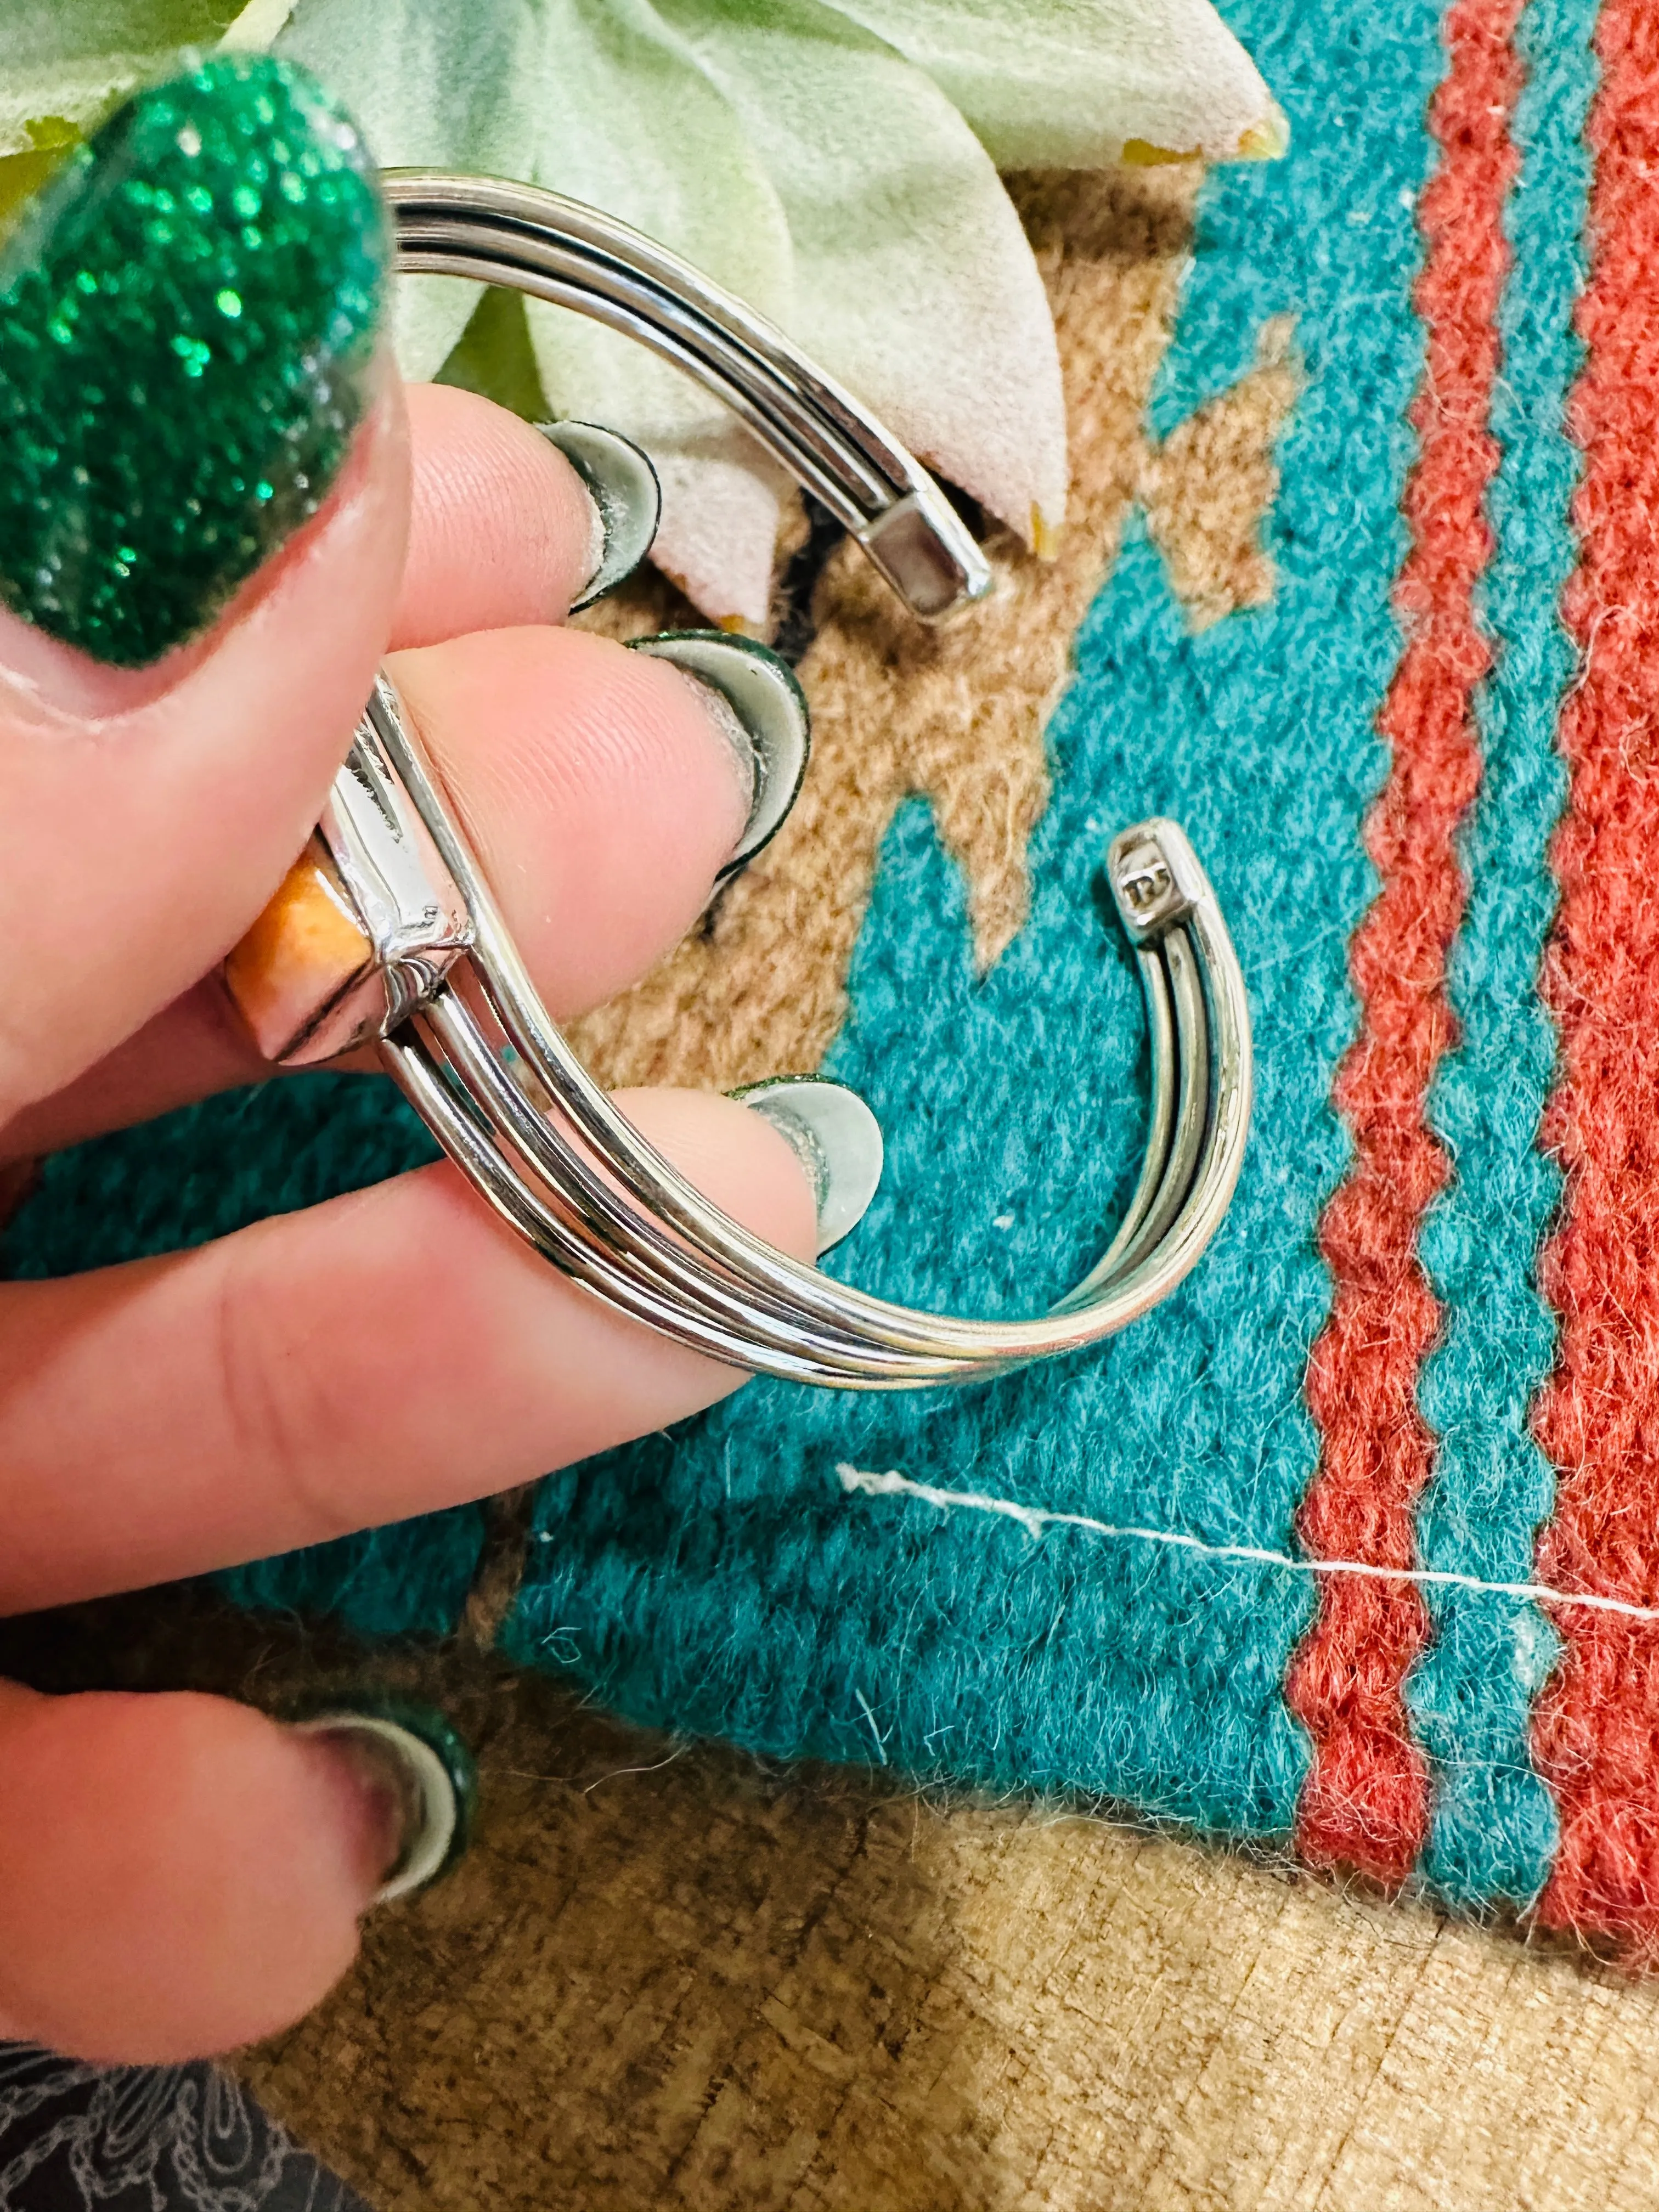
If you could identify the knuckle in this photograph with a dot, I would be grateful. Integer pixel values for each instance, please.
(274, 1399)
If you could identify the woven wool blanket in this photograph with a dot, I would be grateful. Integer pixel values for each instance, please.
(1352, 1547)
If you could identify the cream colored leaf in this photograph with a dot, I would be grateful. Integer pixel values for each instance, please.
(626, 121)
(720, 512)
(259, 24)
(1074, 83)
(433, 87)
(913, 281)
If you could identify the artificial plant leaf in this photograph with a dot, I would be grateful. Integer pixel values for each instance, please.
(1074, 83)
(626, 120)
(66, 60)
(493, 356)
(721, 509)
(913, 281)
(433, 87)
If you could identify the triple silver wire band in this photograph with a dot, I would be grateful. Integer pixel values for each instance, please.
(463, 1030)
(489, 1072)
(557, 250)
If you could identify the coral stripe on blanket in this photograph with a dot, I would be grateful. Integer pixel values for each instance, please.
(1366, 1800)
(1597, 1727)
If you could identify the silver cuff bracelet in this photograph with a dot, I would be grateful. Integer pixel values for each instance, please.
(433, 978)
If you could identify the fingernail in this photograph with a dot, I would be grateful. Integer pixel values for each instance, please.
(836, 1138)
(187, 322)
(422, 1782)
(765, 719)
(627, 499)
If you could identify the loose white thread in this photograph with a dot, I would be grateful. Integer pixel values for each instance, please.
(1034, 1519)
(881, 1740)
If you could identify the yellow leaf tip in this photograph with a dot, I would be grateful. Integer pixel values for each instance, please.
(23, 173)
(49, 134)
(1140, 154)
(1047, 531)
(1268, 139)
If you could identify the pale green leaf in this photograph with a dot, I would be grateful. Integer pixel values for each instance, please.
(721, 507)
(493, 356)
(1074, 83)
(71, 59)
(433, 87)
(913, 281)
(626, 121)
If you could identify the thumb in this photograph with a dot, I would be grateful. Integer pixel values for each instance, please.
(178, 1874)
(202, 499)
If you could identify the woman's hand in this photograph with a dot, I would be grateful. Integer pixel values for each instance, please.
(179, 1874)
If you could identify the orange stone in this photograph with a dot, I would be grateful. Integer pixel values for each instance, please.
(301, 956)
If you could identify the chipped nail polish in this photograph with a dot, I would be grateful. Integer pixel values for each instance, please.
(419, 1762)
(619, 479)
(188, 314)
(770, 722)
(837, 1140)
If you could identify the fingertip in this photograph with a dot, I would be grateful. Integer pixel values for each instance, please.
(736, 1156)
(599, 789)
(162, 805)
(189, 1879)
(501, 529)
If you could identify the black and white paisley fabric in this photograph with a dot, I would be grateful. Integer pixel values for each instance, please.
(77, 2138)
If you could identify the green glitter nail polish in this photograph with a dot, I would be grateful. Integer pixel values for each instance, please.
(187, 319)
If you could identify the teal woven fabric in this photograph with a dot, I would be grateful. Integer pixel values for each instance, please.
(1494, 1827)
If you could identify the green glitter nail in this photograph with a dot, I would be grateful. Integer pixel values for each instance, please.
(187, 318)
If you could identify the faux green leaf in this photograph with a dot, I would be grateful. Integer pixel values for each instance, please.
(913, 281)
(69, 59)
(1073, 83)
(433, 87)
(626, 119)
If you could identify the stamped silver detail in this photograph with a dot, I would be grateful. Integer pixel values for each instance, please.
(383, 859)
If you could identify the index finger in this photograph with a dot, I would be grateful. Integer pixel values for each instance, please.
(377, 1356)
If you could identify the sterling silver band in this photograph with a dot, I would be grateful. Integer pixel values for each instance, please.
(459, 1023)
(556, 249)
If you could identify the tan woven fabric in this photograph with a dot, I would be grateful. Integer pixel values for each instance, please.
(685, 1985)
